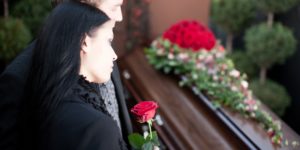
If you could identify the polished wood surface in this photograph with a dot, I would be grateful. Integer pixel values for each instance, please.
(188, 122)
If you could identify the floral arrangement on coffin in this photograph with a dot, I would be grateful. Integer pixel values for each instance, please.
(189, 49)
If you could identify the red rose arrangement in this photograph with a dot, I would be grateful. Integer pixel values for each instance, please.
(144, 112)
(190, 34)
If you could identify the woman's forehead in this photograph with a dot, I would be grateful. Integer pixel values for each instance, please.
(109, 24)
(112, 3)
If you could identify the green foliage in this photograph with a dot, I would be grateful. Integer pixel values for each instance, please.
(244, 63)
(233, 15)
(14, 36)
(267, 46)
(140, 143)
(169, 64)
(148, 146)
(272, 94)
(276, 6)
(32, 12)
(136, 140)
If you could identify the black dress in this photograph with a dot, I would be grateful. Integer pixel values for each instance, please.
(82, 122)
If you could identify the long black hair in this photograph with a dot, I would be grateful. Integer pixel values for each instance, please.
(56, 63)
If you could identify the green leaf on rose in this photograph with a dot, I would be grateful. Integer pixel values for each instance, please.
(148, 146)
(136, 140)
(155, 138)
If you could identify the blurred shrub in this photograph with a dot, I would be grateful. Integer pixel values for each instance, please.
(276, 6)
(272, 94)
(243, 63)
(14, 36)
(32, 12)
(233, 15)
(266, 46)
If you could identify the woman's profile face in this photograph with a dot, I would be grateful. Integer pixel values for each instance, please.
(97, 54)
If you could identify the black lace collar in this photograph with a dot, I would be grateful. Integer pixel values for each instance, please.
(89, 93)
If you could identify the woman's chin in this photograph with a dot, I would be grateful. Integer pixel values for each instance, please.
(104, 79)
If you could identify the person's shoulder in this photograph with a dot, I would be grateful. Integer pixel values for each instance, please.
(76, 111)
(20, 65)
(78, 125)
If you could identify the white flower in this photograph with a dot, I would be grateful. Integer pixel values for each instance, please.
(219, 55)
(255, 107)
(203, 52)
(244, 84)
(252, 114)
(183, 56)
(200, 66)
(154, 43)
(170, 56)
(200, 57)
(160, 52)
(209, 59)
(212, 71)
(145, 134)
(234, 88)
(234, 73)
(247, 108)
(215, 78)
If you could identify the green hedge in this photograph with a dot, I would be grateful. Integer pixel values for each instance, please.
(14, 36)
(272, 94)
(267, 46)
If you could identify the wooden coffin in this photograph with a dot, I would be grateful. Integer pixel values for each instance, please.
(189, 120)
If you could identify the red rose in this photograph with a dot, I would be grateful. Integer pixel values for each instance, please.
(190, 35)
(144, 110)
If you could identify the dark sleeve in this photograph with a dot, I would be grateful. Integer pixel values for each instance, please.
(12, 82)
(81, 127)
(9, 104)
(100, 136)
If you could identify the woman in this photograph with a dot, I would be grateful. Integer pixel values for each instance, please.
(63, 108)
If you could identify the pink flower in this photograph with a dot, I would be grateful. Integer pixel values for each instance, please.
(224, 67)
(251, 104)
(183, 56)
(221, 48)
(270, 132)
(234, 73)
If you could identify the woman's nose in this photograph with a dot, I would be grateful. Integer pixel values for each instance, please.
(115, 57)
(119, 15)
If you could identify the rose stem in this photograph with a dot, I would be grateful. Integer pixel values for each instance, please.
(149, 124)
